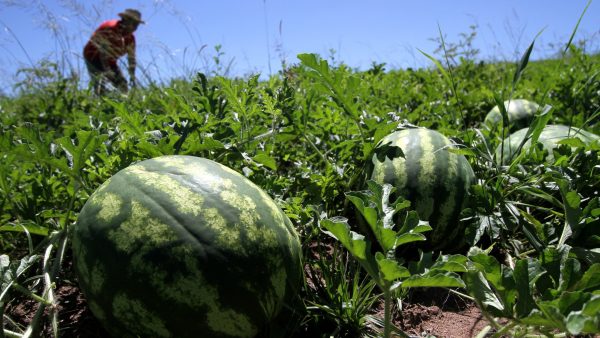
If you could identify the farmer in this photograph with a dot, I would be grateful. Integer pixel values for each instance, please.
(113, 39)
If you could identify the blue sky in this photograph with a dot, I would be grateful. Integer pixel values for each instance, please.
(179, 37)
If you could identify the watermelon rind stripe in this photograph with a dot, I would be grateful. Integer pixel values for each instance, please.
(143, 222)
(434, 179)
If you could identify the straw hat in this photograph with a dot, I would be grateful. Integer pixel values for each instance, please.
(132, 14)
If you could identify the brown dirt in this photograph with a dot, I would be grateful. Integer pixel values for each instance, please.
(420, 320)
(431, 312)
(439, 313)
(75, 320)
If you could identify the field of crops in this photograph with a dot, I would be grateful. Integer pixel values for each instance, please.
(527, 248)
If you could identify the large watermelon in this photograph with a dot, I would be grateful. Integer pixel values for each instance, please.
(435, 180)
(520, 114)
(179, 246)
(549, 137)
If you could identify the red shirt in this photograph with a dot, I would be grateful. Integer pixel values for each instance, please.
(110, 42)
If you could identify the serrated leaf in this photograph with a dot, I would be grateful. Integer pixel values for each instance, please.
(388, 151)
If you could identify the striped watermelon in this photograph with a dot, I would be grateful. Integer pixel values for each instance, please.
(549, 137)
(435, 180)
(179, 246)
(520, 114)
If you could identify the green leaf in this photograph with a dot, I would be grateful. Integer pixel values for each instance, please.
(384, 130)
(590, 280)
(376, 210)
(592, 306)
(489, 266)
(574, 142)
(388, 151)
(81, 148)
(386, 238)
(338, 228)
(411, 222)
(408, 238)
(570, 274)
(390, 269)
(538, 318)
(478, 287)
(456, 263)
(521, 274)
(522, 64)
(266, 160)
(576, 322)
(462, 151)
(361, 202)
(571, 203)
(439, 67)
(30, 227)
(576, 27)
(434, 278)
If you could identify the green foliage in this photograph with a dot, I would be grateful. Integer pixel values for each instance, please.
(383, 267)
(537, 294)
(307, 137)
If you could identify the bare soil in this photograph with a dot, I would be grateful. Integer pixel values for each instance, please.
(439, 313)
(75, 320)
(430, 312)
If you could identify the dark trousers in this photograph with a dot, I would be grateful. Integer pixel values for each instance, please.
(100, 74)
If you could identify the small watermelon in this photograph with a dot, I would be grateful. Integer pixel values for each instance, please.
(549, 137)
(180, 246)
(435, 180)
(520, 114)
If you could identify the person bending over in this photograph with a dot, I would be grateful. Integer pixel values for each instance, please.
(111, 40)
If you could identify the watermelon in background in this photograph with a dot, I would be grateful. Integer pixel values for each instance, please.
(520, 114)
(548, 138)
(179, 246)
(435, 180)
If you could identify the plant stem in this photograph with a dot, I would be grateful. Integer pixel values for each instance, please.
(11, 334)
(31, 294)
(387, 316)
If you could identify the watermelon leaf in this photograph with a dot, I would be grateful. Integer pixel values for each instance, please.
(338, 228)
(266, 160)
(390, 269)
(434, 278)
(481, 290)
